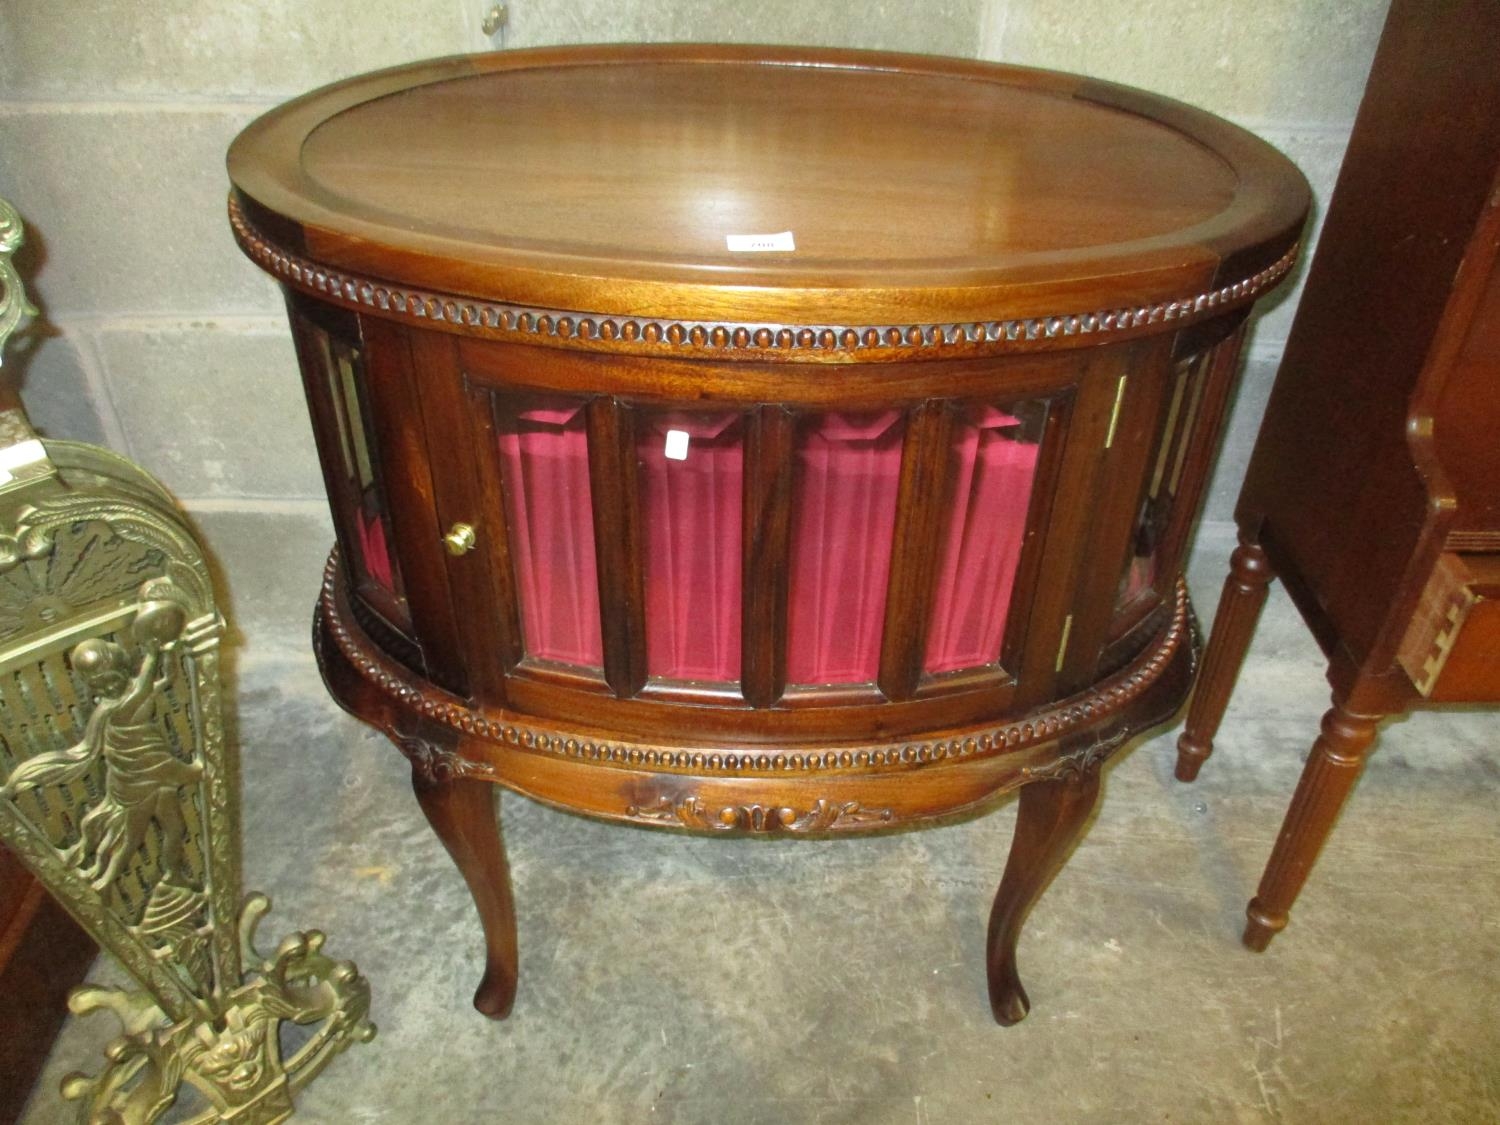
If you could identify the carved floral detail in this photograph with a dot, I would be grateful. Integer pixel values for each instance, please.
(437, 764)
(1081, 712)
(1077, 762)
(630, 333)
(694, 812)
(1090, 756)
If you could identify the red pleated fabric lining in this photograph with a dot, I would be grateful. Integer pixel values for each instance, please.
(374, 550)
(691, 510)
(545, 459)
(991, 496)
(843, 523)
(843, 526)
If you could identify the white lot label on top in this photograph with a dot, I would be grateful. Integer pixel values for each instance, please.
(677, 443)
(780, 241)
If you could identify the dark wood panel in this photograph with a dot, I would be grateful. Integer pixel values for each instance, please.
(923, 502)
(459, 439)
(661, 711)
(324, 337)
(43, 956)
(617, 543)
(809, 387)
(1044, 495)
(1466, 411)
(1191, 477)
(1125, 455)
(1376, 297)
(1472, 673)
(396, 392)
(770, 452)
(1062, 566)
(507, 636)
(304, 314)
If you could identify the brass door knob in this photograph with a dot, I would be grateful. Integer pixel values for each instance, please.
(460, 539)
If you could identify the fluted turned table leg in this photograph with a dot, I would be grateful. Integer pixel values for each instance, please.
(1051, 818)
(1250, 575)
(1337, 759)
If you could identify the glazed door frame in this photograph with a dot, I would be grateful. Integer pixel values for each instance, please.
(431, 390)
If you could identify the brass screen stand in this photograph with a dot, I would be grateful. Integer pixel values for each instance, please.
(118, 789)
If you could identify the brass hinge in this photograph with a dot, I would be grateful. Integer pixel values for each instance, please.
(1114, 415)
(1062, 645)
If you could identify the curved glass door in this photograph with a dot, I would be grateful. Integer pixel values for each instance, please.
(994, 462)
(549, 511)
(336, 382)
(691, 480)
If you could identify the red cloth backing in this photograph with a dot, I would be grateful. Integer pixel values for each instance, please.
(843, 523)
(373, 549)
(546, 464)
(692, 536)
(978, 571)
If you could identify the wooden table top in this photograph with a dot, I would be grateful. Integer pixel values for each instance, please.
(610, 179)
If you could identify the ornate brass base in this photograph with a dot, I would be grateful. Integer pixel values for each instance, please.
(234, 1059)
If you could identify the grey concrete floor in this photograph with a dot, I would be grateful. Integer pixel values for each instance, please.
(680, 980)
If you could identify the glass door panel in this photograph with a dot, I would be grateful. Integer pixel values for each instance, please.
(848, 470)
(545, 466)
(691, 482)
(994, 462)
(355, 489)
(1142, 570)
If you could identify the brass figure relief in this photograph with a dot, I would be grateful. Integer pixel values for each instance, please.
(143, 778)
(116, 787)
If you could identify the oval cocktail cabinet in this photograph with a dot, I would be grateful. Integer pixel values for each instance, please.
(759, 439)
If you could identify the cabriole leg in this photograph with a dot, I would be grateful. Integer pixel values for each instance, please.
(463, 814)
(1239, 609)
(1337, 760)
(1050, 820)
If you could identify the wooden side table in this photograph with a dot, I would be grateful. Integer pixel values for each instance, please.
(1374, 488)
(757, 439)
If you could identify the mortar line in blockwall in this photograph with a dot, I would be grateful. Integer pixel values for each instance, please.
(255, 505)
(13, 106)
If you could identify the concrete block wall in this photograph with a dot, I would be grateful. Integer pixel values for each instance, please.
(163, 342)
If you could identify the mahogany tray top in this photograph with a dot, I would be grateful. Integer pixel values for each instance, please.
(604, 180)
(621, 524)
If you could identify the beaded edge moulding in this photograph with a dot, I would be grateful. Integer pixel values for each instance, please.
(982, 739)
(649, 334)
